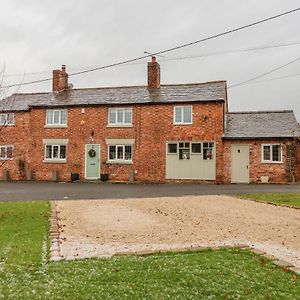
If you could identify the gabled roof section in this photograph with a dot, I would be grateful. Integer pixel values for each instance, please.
(177, 93)
(260, 124)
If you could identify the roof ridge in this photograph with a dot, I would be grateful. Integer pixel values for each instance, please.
(260, 112)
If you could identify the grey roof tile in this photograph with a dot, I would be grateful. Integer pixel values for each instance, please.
(261, 124)
(210, 91)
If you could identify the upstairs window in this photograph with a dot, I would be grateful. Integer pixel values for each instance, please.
(6, 152)
(7, 119)
(271, 153)
(120, 116)
(183, 115)
(56, 117)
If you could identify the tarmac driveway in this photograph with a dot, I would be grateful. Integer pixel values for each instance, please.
(19, 191)
(101, 228)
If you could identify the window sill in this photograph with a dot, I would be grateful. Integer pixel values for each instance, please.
(7, 125)
(119, 162)
(56, 126)
(180, 124)
(119, 125)
(271, 162)
(55, 161)
(6, 159)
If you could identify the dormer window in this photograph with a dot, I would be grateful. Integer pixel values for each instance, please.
(56, 118)
(7, 119)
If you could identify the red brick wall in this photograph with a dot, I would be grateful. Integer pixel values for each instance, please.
(152, 127)
(277, 172)
(17, 136)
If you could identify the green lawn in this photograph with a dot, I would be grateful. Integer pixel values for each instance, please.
(26, 273)
(292, 200)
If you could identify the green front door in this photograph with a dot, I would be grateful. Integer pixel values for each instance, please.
(92, 161)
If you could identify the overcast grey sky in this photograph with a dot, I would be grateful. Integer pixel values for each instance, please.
(38, 36)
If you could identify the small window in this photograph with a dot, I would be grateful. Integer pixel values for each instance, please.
(208, 151)
(183, 115)
(120, 153)
(120, 116)
(172, 148)
(271, 153)
(184, 151)
(196, 148)
(56, 117)
(55, 152)
(7, 119)
(6, 152)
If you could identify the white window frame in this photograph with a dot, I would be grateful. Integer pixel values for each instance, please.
(5, 147)
(171, 153)
(182, 109)
(59, 123)
(118, 123)
(271, 161)
(54, 159)
(118, 160)
(6, 116)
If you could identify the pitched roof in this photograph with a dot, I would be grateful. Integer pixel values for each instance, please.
(209, 91)
(260, 124)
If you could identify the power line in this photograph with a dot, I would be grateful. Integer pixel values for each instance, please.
(166, 50)
(264, 74)
(178, 57)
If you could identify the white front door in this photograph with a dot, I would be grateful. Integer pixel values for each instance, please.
(240, 163)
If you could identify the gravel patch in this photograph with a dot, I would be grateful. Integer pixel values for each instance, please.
(102, 228)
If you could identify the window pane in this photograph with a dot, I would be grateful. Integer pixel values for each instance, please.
(2, 120)
(276, 151)
(128, 113)
(120, 154)
(112, 152)
(267, 152)
(9, 152)
(178, 114)
(48, 151)
(64, 117)
(49, 117)
(2, 152)
(56, 116)
(55, 152)
(62, 154)
(127, 152)
(184, 153)
(10, 119)
(120, 116)
(187, 114)
(208, 151)
(196, 148)
(112, 116)
(172, 148)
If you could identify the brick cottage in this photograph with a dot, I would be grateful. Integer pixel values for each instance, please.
(157, 133)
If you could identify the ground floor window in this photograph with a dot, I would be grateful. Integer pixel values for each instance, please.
(55, 152)
(271, 153)
(6, 152)
(120, 153)
(205, 150)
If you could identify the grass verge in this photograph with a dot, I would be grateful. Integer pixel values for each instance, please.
(25, 273)
(292, 200)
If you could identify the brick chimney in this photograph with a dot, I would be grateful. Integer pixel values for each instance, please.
(153, 74)
(60, 80)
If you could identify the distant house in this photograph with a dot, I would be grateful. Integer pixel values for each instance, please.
(157, 133)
